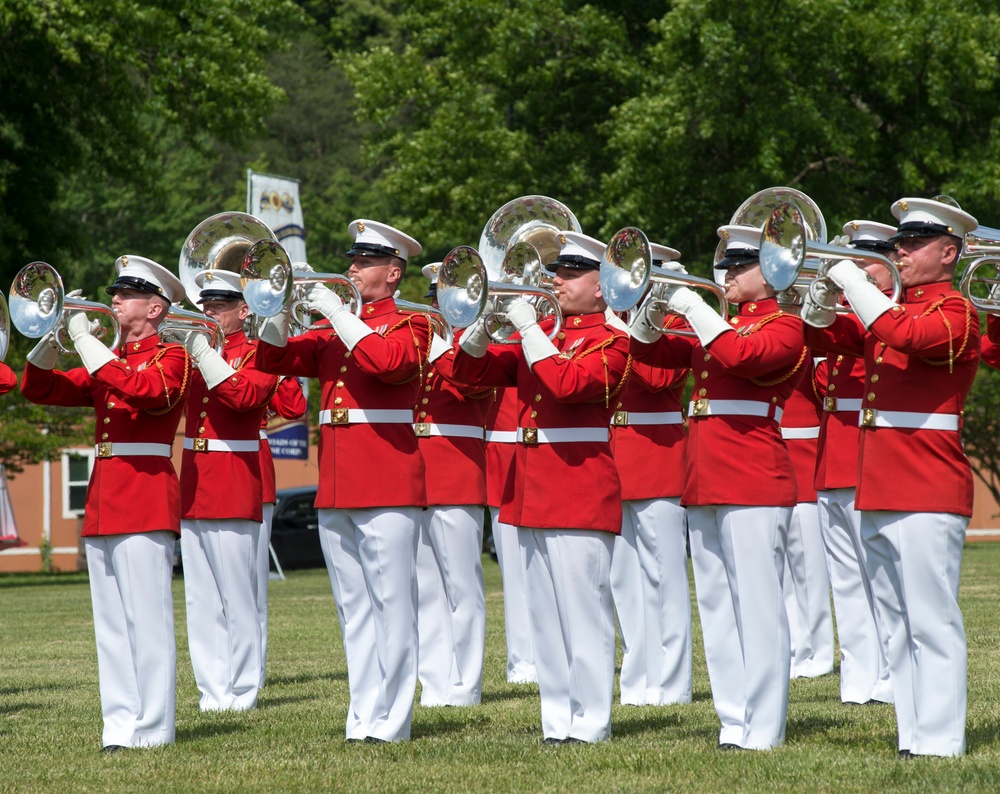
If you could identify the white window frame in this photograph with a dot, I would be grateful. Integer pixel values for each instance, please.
(76, 452)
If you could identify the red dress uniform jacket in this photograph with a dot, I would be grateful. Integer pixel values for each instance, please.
(137, 400)
(650, 457)
(226, 484)
(364, 465)
(8, 378)
(991, 342)
(288, 402)
(841, 383)
(920, 358)
(501, 424)
(800, 426)
(562, 485)
(455, 465)
(738, 459)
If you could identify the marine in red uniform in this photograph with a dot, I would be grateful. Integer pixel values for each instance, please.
(136, 392)
(864, 669)
(451, 600)
(744, 371)
(221, 497)
(371, 481)
(501, 441)
(8, 379)
(915, 483)
(566, 389)
(806, 583)
(288, 403)
(649, 573)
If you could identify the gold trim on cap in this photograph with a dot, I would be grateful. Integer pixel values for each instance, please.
(724, 234)
(562, 239)
(124, 261)
(361, 227)
(854, 225)
(904, 205)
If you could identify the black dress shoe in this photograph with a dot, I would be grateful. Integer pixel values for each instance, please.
(728, 747)
(353, 741)
(573, 740)
(551, 741)
(375, 740)
(906, 755)
(112, 748)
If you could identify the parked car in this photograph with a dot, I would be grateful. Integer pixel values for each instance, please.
(295, 529)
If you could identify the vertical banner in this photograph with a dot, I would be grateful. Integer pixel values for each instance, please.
(275, 200)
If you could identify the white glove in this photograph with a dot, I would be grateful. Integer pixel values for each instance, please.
(522, 315)
(274, 330)
(475, 340)
(45, 354)
(867, 301)
(93, 354)
(78, 326)
(841, 241)
(214, 368)
(706, 322)
(302, 267)
(322, 299)
(817, 309)
(675, 267)
(682, 300)
(438, 348)
(647, 325)
(536, 346)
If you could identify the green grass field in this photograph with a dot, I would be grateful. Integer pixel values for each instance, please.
(50, 721)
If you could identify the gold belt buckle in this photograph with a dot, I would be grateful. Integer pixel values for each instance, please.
(830, 404)
(700, 407)
(422, 429)
(338, 416)
(529, 435)
(621, 419)
(104, 449)
(868, 416)
(200, 445)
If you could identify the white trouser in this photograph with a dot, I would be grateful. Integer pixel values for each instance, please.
(220, 590)
(914, 561)
(134, 627)
(864, 670)
(807, 595)
(738, 557)
(520, 656)
(451, 605)
(263, 577)
(371, 559)
(649, 584)
(567, 575)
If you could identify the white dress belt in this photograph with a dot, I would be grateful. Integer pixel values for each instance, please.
(908, 420)
(428, 429)
(841, 404)
(800, 432)
(501, 436)
(361, 416)
(221, 445)
(626, 418)
(121, 449)
(561, 435)
(705, 407)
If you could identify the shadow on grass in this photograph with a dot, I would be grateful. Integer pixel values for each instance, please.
(987, 735)
(638, 720)
(441, 725)
(207, 730)
(304, 678)
(23, 690)
(23, 707)
(511, 692)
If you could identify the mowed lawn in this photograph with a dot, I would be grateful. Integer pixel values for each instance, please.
(50, 722)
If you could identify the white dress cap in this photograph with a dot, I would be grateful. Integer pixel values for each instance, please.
(144, 275)
(379, 239)
(431, 271)
(578, 251)
(919, 217)
(663, 253)
(871, 235)
(742, 245)
(219, 285)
